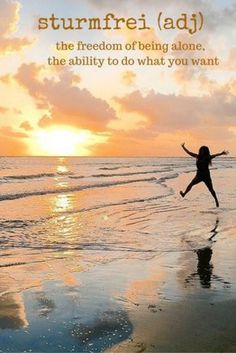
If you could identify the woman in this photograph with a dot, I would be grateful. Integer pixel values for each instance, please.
(203, 173)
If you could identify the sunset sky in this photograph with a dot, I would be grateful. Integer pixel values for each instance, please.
(122, 110)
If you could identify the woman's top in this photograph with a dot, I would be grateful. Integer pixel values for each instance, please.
(203, 166)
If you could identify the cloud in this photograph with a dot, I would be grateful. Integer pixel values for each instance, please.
(45, 121)
(213, 12)
(3, 110)
(123, 143)
(127, 4)
(215, 15)
(26, 126)
(231, 62)
(143, 142)
(6, 79)
(9, 11)
(11, 146)
(142, 40)
(128, 77)
(170, 113)
(10, 132)
(66, 102)
(17, 111)
(193, 82)
(153, 143)
(12, 142)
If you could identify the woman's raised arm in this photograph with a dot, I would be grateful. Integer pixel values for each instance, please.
(219, 154)
(188, 152)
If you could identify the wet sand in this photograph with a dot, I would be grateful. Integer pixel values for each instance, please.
(174, 302)
(191, 308)
(195, 314)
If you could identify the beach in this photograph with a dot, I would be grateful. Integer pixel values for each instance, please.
(103, 255)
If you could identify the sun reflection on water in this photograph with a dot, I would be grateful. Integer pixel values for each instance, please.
(62, 169)
(63, 202)
(64, 226)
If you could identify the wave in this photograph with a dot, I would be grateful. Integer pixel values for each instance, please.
(113, 168)
(30, 176)
(71, 189)
(78, 247)
(167, 177)
(170, 165)
(13, 264)
(120, 174)
(33, 176)
(16, 223)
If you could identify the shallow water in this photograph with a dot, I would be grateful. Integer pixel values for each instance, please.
(90, 203)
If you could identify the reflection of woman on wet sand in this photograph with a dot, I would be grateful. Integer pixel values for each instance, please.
(204, 265)
(203, 173)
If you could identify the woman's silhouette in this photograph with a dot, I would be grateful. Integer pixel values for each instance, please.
(204, 159)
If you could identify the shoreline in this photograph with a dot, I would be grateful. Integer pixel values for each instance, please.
(151, 277)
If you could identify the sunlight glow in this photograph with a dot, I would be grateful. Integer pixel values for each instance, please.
(62, 142)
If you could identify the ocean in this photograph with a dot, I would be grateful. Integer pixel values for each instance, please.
(91, 203)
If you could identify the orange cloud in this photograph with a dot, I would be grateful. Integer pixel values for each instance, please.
(171, 120)
(128, 77)
(3, 110)
(26, 126)
(12, 143)
(123, 143)
(10, 132)
(166, 113)
(66, 103)
(6, 78)
(142, 143)
(9, 19)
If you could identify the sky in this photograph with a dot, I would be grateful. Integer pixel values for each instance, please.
(115, 110)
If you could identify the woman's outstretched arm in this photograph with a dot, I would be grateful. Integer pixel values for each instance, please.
(188, 152)
(219, 154)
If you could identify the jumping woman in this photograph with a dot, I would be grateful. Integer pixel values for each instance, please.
(204, 159)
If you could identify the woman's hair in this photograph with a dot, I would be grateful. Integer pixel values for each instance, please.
(204, 154)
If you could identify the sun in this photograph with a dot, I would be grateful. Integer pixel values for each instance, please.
(62, 142)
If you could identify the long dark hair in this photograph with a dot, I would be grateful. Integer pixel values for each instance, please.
(204, 154)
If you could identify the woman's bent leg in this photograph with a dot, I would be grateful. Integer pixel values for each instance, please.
(195, 181)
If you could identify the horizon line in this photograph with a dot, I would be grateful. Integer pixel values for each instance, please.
(74, 156)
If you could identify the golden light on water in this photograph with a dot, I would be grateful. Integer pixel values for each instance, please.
(62, 203)
(62, 169)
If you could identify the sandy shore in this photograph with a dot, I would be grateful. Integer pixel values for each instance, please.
(176, 297)
(187, 304)
(174, 302)
(190, 311)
